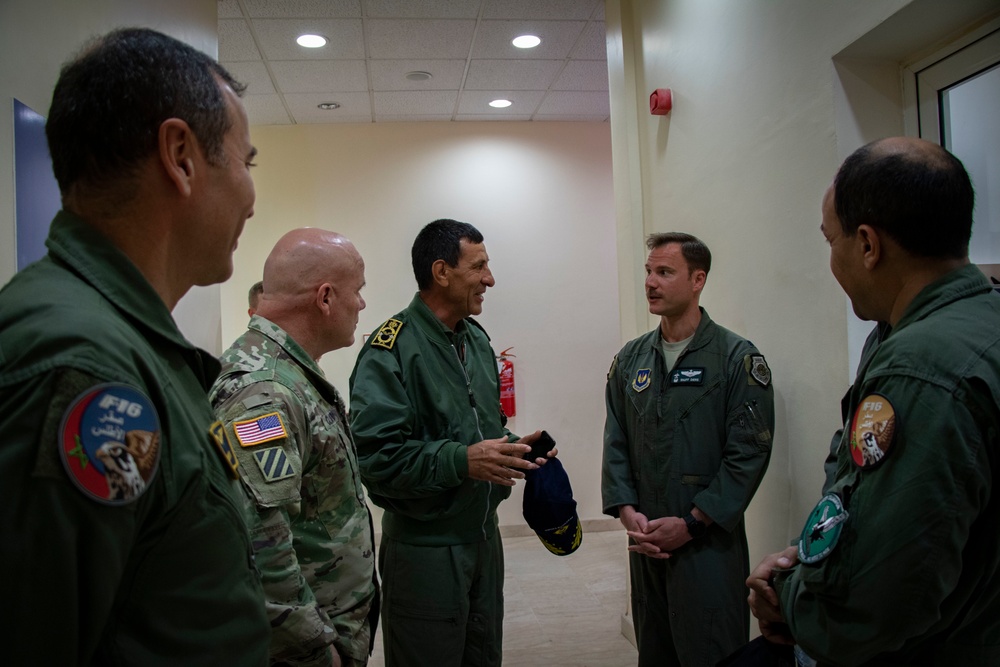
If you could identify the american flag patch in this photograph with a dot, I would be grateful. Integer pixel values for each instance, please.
(261, 429)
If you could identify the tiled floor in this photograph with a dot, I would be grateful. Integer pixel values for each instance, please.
(563, 611)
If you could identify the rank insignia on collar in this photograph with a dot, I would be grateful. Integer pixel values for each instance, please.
(386, 336)
(273, 464)
(641, 380)
(110, 443)
(822, 529)
(221, 440)
(757, 369)
(873, 431)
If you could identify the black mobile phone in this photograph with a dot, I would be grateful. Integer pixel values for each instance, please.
(541, 447)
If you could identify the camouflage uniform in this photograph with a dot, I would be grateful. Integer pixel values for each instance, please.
(311, 528)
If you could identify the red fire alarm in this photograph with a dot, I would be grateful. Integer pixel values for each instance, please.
(661, 102)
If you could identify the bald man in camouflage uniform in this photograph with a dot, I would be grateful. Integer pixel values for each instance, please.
(311, 529)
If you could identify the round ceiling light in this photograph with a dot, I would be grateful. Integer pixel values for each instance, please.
(526, 42)
(327, 106)
(418, 76)
(500, 104)
(311, 41)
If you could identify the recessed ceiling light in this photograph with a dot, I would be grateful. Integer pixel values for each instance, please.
(311, 41)
(526, 42)
(327, 106)
(500, 104)
(418, 76)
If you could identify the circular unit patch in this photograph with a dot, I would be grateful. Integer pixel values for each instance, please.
(873, 431)
(110, 443)
(822, 529)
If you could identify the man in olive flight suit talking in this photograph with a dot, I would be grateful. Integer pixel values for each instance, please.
(687, 439)
(436, 455)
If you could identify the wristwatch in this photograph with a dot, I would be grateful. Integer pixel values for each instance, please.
(695, 527)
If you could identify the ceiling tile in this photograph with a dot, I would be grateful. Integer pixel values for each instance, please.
(583, 75)
(593, 43)
(539, 9)
(265, 110)
(588, 103)
(558, 37)
(478, 102)
(236, 42)
(418, 102)
(511, 74)
(571, 117)
(439, 9)
(391, 74)
(316, 76)
(410, 38)
(277, 38)
(300, 8)
(229, 9)
(408, 118)
(253, 74)
(353, 106)
(494, 118)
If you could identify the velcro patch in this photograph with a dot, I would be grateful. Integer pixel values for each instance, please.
(260, 429)
(757, 369)
(221, 440)
(110, 443)
(386, 336)
(873, 431)
(641, 380)
(693, 376)
(273, 464)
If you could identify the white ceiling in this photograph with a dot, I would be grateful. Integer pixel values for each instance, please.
(464, 44)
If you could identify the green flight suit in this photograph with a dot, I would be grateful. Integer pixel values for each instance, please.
(697, 435)
(420, 395)
(311, 529)
(914, 578)
(165, 578)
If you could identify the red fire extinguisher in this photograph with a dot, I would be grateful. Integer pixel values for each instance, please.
(506, 369)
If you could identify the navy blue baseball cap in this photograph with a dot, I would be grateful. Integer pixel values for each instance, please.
(550, 510)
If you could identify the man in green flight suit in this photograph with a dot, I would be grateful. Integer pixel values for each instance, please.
(121, 528)
(311, 529)
(899, 564)
(690, 416)
(436, 455)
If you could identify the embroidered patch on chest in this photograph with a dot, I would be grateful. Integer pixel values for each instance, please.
(110, 443)
(273, 464)
(822, 529)
(642, 379)
(873, 431)
(386, 336)
(692, 376)
(265, 428)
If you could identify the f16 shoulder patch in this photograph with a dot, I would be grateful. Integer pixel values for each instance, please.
(110, 443)
(386, 336)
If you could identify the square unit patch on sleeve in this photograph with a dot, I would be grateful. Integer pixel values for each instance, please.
(273, 463)
(260, 429)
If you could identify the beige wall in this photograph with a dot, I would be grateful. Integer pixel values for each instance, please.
(36, 37)
(769, 97)
(541, 193)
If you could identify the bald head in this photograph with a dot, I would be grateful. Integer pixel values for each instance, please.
(911, 189)
(305, 258)
(312, 288)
